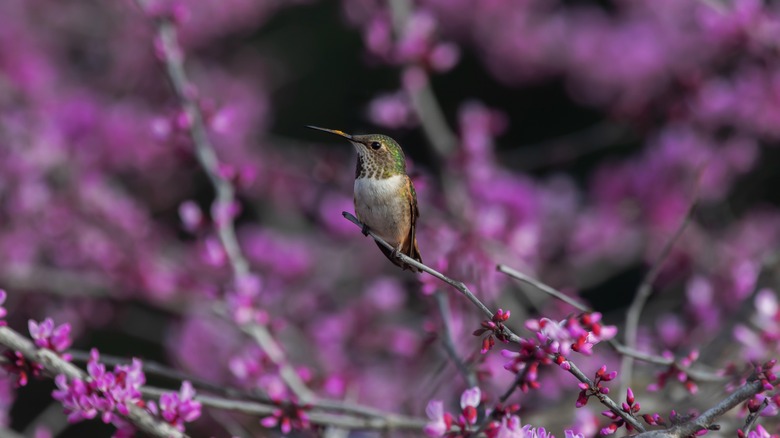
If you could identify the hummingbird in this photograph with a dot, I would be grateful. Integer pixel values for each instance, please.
(385, 200)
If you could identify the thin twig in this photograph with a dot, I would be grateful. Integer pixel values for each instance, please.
(752, 418)
(173, 57)
(52, 418)
(518, 378)
(544, 288)
(569, 147)
(56, 365)
(449, 344)
(643, 294)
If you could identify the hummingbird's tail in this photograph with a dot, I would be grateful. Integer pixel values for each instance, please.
(411, 251)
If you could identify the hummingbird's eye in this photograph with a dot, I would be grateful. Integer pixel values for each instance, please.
(376, 145)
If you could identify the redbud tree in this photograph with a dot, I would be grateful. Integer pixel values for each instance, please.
(598, 218)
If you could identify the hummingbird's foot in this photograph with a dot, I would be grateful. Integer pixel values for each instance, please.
(364, 230)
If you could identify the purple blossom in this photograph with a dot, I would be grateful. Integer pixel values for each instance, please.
(764, 333)
(291, 417)
(759, 432)
(191, 215)
(102, 392)
(440, 421)
(510, 427)
(178, 409)
(469, 401)
(46, 335)
(392, 110)
(254, 369)
(18, 365)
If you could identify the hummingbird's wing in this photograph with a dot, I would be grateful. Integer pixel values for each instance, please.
(409, 247)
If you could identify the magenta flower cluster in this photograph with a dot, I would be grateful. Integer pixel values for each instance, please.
(109, 395)
(587, 390)
(677, 371)
(177, 408)
(103, 393)
(553, 342)
(288, 417)
(629, 407)
(494, 327)
(46, 335)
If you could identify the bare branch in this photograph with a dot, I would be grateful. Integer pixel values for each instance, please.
(449, 345)
(8, 433)
(544, 288)
(644, 291)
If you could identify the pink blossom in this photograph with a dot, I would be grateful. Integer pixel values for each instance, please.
(103, 392)
(441, 421)
(191, 215)
(178, 409)
(46, 335)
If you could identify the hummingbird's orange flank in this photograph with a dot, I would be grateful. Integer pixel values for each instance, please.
(385, 200)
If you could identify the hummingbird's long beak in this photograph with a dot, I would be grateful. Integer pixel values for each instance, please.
(332, 131)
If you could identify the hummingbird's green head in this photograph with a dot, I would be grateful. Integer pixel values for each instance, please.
(379, 156)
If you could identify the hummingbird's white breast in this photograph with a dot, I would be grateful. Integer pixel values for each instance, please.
(380, 205)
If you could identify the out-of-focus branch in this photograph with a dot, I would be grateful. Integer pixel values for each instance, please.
(385, 422)
(8, 433)
(52, 280)
(424, 102)
(173, 57)
(511, 336)
(52, 418)
(449, 345)
(55, 365)
(644, 291)
(568, 148)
